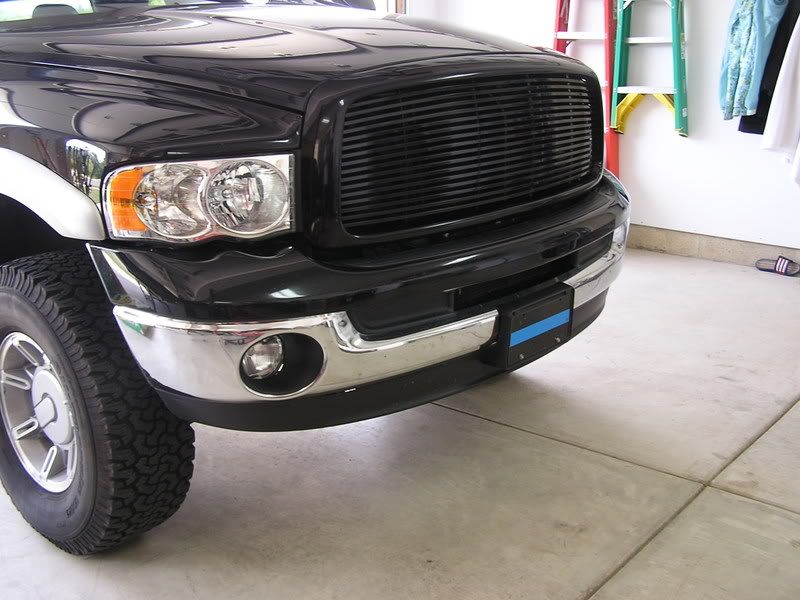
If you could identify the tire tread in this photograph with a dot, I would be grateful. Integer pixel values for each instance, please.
(144, 454)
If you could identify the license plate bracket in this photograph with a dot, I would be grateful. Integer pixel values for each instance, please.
(530, 329)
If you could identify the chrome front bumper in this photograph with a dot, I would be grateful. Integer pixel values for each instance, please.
(203, 359)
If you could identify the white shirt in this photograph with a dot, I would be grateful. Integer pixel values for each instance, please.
(782, 133)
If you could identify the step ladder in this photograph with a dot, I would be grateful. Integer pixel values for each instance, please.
(624, 97)
(563, 37)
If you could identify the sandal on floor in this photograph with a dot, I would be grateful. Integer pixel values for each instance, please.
(782, 266)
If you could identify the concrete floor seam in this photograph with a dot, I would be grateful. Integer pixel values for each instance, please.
(682, 509)
(644, 544)
(704, 485)
(754, 440)
(573, 444)
(751, 497)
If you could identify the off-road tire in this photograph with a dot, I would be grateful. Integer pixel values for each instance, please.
(135, 459)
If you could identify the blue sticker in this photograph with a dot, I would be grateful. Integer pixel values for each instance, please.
(531, 331)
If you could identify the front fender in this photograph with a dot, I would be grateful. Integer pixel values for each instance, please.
(63, 129)
(67, 210)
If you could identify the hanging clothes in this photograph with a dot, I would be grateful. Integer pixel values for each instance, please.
(757, 122)
(782, 133)
(751, 32)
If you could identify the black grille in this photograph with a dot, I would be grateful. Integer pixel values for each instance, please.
(438, 153)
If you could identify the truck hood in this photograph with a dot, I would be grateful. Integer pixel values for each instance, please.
(272, 54)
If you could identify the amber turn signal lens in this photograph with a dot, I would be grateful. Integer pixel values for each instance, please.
(121, 189)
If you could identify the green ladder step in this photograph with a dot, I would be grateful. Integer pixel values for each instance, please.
(624, 97)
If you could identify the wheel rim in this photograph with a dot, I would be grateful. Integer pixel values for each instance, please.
(38, 415)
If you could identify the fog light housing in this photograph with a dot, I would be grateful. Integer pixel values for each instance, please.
(264, 358)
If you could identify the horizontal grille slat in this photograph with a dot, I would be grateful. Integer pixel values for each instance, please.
(423, 110)
(475, 146)
(445, 120)
(486, 145)
(474, 84)
(485, 201)
(455, 169)
(456, 135)
(459, 190)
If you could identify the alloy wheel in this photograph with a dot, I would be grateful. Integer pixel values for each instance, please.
(38, 415)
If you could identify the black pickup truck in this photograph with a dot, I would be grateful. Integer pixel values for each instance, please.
(271, 217)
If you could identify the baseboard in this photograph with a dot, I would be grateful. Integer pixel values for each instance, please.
(705, 246)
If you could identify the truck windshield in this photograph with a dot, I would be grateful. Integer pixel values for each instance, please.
(53, 10)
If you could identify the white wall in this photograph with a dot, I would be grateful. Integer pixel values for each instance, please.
(718, 181)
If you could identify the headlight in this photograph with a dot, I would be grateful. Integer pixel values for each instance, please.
(248, 197)
(194, 201)
(620, 239)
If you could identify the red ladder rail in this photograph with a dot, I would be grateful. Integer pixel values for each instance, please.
(562, 25)
(563, 37)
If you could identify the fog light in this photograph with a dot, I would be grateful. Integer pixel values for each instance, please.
(264, 358)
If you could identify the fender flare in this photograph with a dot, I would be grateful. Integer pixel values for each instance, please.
(57, 202)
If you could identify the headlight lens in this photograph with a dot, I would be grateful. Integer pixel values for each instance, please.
(166, 202)
(194, 201)
(248, 197)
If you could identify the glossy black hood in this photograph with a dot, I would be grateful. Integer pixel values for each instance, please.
(273, 54)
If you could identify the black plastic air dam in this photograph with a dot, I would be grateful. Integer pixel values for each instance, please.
(365, 402)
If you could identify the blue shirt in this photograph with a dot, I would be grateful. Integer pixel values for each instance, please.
(751, 32)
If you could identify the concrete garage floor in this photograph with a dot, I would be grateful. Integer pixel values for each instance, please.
(656, 456)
